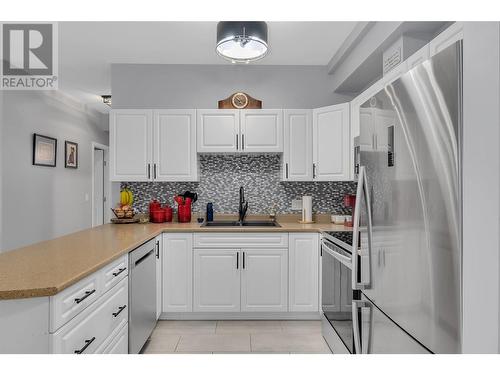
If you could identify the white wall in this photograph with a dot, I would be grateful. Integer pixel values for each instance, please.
(40, 203)
(481, 188)
(201, 86)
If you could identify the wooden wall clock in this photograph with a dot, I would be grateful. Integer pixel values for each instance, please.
(240, 100)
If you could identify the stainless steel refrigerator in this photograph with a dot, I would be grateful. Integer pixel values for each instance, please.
(408, 213)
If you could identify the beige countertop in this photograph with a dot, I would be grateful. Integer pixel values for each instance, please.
(46, 268)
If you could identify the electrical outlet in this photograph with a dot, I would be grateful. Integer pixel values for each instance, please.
(296, 204)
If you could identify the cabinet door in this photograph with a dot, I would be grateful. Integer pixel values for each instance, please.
(159, 257)
(175, 157)
(449, 36)
(262, 130)
(177, 269)
(331, 152)
(218, 130)
(383, 119)
(264, 280)
(130, 144)
(297, 156)
(216, 280)
(303, 271)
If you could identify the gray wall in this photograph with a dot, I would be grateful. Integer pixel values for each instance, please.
(201, 86)
(481, 188)
(40, 203)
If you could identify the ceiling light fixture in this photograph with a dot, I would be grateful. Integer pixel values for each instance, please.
(242, 42)
(106, 99)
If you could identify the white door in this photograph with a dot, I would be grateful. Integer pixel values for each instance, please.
(261, 130)
(303, 271)
(331, 152)
(297, 148)
(130, 144)
(159, 256)
(264, 280)
(216, 280)
(177, 272)
(175, 157)
(218, 130)
(98, 188)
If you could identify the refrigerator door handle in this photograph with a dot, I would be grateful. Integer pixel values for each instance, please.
(358, 345)
(362, 189)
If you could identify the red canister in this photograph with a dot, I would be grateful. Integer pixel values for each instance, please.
(154, 205)
(168, 213)
(184, 213)
(157, 216)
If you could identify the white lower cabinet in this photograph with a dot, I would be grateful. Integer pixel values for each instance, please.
(158, 251)
(177, 272)
(216, 280)
(119, 344)
(303, 272)
(90, 329)
(264, 280)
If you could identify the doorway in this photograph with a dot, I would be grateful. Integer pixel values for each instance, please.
(100, 185)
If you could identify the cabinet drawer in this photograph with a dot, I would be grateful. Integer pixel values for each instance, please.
(117, 344)
(90, 329)
(73, 300)
(114, 272)
(239, 240)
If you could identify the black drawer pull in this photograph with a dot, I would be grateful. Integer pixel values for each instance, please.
(120, 270)
(87, 344)
(120, 309)
(87, 293)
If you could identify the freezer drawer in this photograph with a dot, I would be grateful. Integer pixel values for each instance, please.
(375, 333)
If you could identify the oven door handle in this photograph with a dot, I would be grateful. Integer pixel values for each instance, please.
(362, 189)
(345, 260)
(359, 347)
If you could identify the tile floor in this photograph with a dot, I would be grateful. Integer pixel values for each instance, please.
(236, 336)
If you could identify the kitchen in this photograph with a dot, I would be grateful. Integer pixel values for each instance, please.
(240, 196)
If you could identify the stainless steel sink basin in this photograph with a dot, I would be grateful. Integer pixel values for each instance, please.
(238, 224)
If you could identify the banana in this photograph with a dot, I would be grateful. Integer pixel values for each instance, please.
(130, 197)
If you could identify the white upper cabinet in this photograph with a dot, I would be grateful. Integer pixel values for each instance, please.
(297, 150)
(218, 130)
(232, 130)
(175, 157)
(130, 139)
(331, 143)
(449, 36)
(147, 145)
(261, 130)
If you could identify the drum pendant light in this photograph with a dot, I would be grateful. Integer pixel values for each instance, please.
(242, 42)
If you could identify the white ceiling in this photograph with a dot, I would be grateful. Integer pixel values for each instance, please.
(86, 49)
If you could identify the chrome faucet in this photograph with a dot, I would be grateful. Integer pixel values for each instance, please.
(243, 207)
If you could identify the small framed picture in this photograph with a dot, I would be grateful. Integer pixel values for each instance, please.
(71, 154)
(44, 150)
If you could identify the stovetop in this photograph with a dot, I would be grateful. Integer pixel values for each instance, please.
(343, 239)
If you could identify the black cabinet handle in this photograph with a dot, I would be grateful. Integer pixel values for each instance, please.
(87, 344)
(154, 171)
(286, 168)
(243, 260)
(237, 141)
(87, 294)
(314, 170)
(157, 249)
(120, 309)
(149, 171)
(120, 270)
(243, 141)
(237, 260)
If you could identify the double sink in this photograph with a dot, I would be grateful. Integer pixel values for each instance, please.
(251, 223)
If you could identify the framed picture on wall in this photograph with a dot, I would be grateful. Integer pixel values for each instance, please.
(71, 154)
(44, 150)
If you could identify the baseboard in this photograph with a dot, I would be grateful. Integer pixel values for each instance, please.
(240, 316)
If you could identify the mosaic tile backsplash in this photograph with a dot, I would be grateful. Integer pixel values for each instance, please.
(260, 175)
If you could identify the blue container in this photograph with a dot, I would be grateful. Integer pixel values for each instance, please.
(210, 211)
